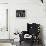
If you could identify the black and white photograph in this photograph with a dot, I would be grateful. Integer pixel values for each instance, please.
(22, 22)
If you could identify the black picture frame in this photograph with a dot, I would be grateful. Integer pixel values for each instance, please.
(20, 13)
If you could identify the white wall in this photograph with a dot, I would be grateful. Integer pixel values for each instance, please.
(35, 13)
(3, 1)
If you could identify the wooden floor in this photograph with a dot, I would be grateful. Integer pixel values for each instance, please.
(26, 44)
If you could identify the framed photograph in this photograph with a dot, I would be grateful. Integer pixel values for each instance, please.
(20, 13)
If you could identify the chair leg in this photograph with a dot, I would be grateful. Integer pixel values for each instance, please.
(20, 42)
